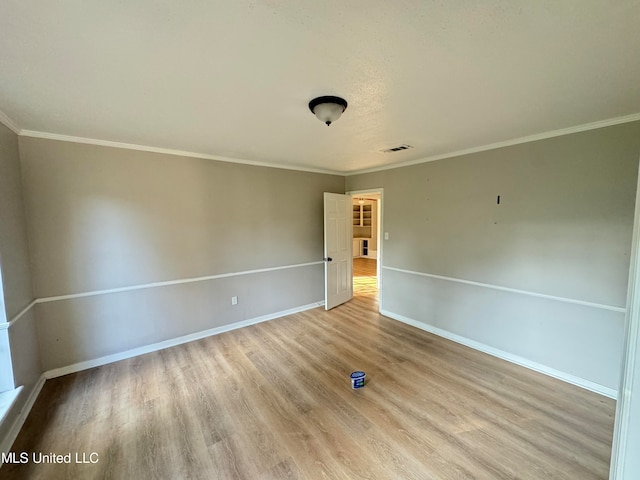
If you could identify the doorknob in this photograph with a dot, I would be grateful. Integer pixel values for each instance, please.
(328, 259)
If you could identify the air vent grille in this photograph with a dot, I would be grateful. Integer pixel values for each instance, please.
(404, 146)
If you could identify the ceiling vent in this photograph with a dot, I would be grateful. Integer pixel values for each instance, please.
(404, 146)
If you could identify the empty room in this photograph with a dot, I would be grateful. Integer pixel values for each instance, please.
(319, 240)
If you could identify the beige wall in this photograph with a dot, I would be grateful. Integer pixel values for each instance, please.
(563, 228)
(14, 255)
(103, 218)
(19, 349)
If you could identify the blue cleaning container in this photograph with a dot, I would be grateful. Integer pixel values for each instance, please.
(357, 379)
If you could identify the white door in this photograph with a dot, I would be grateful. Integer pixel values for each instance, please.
(338, 260)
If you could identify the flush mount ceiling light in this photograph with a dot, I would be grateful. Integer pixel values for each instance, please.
(328, 109)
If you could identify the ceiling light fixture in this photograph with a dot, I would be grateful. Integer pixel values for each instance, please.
(328, 109)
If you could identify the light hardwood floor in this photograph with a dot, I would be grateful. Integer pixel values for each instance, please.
(274, 401)
(364, 278)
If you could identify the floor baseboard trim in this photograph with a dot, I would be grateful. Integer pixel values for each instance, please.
(566, 377)
(13, 432)
(77, 367)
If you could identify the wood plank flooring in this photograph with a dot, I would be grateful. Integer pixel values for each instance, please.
(273, 401)
(364, 267)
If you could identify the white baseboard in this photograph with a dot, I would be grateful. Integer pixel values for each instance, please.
(77, 367)
(580, 382)
(12, 434)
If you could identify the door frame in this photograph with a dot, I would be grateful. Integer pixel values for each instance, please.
(628, 398)
(379, 230)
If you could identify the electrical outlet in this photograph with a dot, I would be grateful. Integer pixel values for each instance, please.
(386, 235)
(234, 300)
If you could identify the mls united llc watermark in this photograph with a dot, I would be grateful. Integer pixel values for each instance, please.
(39, 457)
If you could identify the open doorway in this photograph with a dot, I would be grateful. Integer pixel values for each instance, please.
(367, 251)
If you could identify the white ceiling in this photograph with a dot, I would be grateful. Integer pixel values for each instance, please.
(233, 78)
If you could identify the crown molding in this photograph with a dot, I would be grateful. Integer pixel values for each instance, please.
(507, 143)
(10, 124)
(168, 151)
(183, 153)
